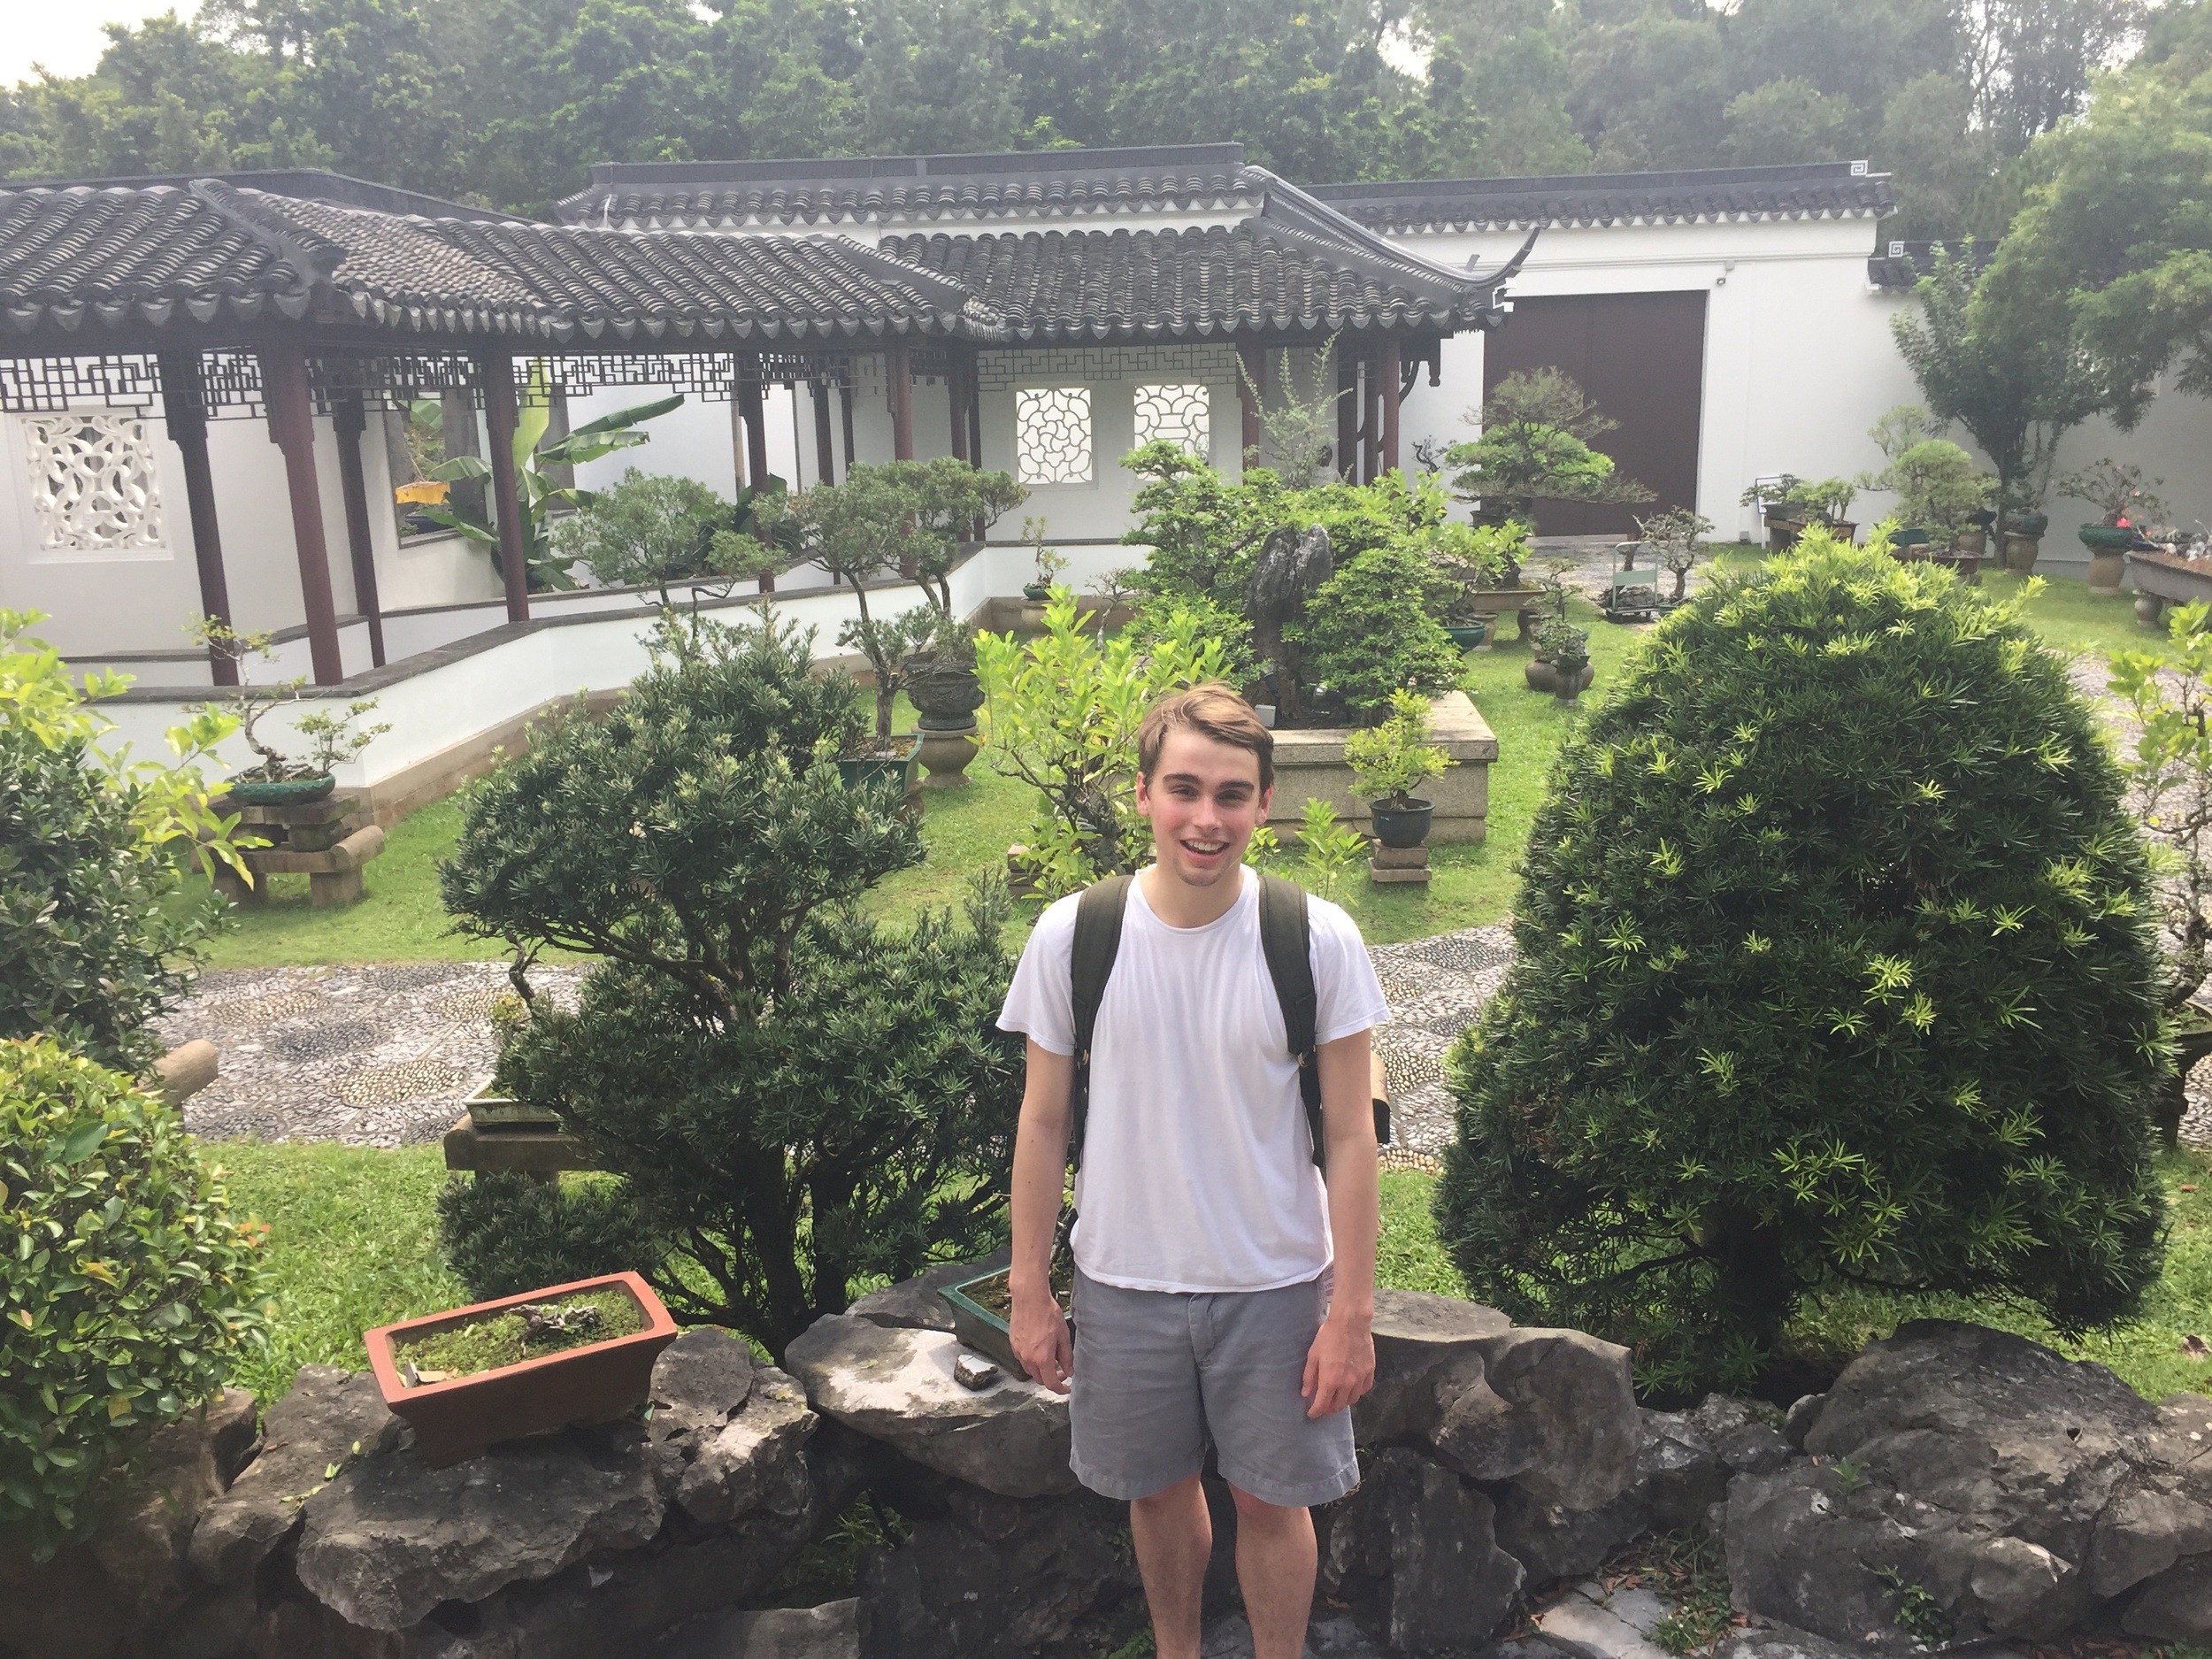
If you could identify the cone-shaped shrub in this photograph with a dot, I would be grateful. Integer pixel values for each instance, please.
(1834, 967)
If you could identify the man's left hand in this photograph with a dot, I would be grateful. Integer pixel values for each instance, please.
(1340, 1365)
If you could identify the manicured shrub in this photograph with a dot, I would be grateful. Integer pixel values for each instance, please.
(128, 1291)
(1833, 968)
(505, 1234)
(790, 1095)
(1368, 633)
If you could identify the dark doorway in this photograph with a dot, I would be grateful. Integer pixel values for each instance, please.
(1641, 359)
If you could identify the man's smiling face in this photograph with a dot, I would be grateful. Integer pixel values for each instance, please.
(1204, 801)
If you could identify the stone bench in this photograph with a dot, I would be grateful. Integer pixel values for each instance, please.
(328, 842)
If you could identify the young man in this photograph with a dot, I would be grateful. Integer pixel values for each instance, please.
(1223, 1292)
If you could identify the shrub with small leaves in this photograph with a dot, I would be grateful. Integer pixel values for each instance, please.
(1834, 968)
(128, 1291)
(505, 1234)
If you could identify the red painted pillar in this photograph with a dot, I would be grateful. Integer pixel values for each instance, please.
(898, 370)
(506, 502)
(825, 452)
(291, 406)
(184, 412)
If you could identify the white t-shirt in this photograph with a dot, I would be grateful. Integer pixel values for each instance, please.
(1197, 1172)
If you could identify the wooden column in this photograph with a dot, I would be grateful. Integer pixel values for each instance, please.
(351, 420)
(184, 412)
(506, 505)
(1393, 389)
(291, 407)
(845, 414)
(975, 410)
(1347, 416)
(957, 402)
(1249, 368)
(755, 426)
(824, 451)
(898, 373)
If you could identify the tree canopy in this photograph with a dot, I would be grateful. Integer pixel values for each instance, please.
(1940, 91)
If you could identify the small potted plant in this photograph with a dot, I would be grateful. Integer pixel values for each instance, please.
(1939, 491)
(2023, 522)
(335, 737)
(1676, 538)
(942, 684)
(1049, 564)
(1467, 561)
(2170, 773)
(496, 1371)
(2125, 497)
(1774, 499)
(1567, 648)
(1392, 760)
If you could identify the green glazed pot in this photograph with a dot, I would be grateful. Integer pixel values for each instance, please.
(285, 792)
(1466, 638)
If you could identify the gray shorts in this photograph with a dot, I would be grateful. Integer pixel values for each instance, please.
(1157, 1373)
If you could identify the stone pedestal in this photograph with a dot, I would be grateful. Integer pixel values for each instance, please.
(1310, 763)
(945, 755)
(1392, 865)
(327, 840)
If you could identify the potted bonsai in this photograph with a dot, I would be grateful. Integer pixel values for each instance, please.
(1675, 538)
(1567, 648)
(1773, 500)
(2023, 522)
(2124, 495)
(942, 684)
(1940, 490)
(1553, 631)
(1048, 564)
(1469, 561)
(517, 1366)
(335, 737)
(2170, 774)
(1391, 761)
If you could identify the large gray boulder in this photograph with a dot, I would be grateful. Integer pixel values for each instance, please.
(1418, 1544)
(913, 1304)
(1973, 1482)
(1554, 1411)
(739, 1430)
(831, 1631)
(391, 1539)
(328, 1416)
(1417, 1335)
(998, 1577)
(896, 1384)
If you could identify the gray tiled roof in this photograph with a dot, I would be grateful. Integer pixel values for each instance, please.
(1071, 183)
(1835, 189)
(205, 251)
(1902, 263)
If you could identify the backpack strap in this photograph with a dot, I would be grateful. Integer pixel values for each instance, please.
(1286, 941)
(1097, 942)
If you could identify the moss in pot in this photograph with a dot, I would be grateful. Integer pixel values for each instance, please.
(1390, 762)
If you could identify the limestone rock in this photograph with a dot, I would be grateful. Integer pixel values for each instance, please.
(698, 1381)
(1552, 1543)
(1802, 1550)
(1329, 1635)
(1418, 1545)
(1415, 1334)
(913, 1304)
(1553, 1411)
(1798, 1422)
(755, 1459)
(829, 1632)
(1592, 1624)
(2176, 1606)
(327, 1414)
(1778, 1642)
(389, 1539)
(896, 1385)
(996, 1578)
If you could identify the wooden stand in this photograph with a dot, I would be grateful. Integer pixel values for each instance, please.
(1391, 864)
(327, 840)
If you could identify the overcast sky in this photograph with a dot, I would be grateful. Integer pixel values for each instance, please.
(64, 34)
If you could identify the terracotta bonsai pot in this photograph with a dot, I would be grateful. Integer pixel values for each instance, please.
(2020, 552)
(459, 1418)
(1400, 826)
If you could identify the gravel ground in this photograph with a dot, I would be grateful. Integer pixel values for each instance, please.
(1434, 987)
(380, 1055)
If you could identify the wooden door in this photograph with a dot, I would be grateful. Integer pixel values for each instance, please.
(1641, 359)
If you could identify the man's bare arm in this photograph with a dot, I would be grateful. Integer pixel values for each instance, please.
(1041, 1164)
(1341, 1366)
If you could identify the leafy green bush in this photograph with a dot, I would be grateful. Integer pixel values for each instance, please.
(790, 1095)
(1369, 631)
(127, 1290)
(505, 1234)
(1390, 761)
(95, 939)
(652, 530)
(1834, 967)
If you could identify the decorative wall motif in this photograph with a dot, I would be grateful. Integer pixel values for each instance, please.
(1180, 412)
(1214, 364)
(1052, 434)
(92, 482)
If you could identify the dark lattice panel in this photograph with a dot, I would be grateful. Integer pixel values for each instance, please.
(45, 386)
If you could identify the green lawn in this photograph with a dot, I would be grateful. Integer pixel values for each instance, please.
(353, 1243)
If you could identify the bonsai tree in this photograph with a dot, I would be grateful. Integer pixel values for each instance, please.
(2170, 778)
(335, 737)
(793, 1096)
(653, 530)
(1675, 538)
(1938, 488)
(539, 494)
(905, 516)
(2121, 494)
(1061, 713)
(1391, 762)
(1818, 986)
(1370, 631)
(1535, 446)
(142, 1295)
(1469, 559)
(99, 932)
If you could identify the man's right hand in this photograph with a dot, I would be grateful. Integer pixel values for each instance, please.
(1041, 1341)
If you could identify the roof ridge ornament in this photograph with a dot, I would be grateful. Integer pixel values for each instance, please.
(314, 257)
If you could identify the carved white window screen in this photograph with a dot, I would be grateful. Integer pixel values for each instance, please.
(1178, 411)
(93, 484)
(1052, 434)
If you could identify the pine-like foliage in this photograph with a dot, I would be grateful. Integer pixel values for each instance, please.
(1833, 967)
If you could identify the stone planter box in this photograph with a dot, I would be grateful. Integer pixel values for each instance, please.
(459, 1419)
(2165, 581)
(1311, 763)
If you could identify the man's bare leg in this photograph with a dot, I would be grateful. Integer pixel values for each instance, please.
(1174, 1538)
(1275, 1568)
